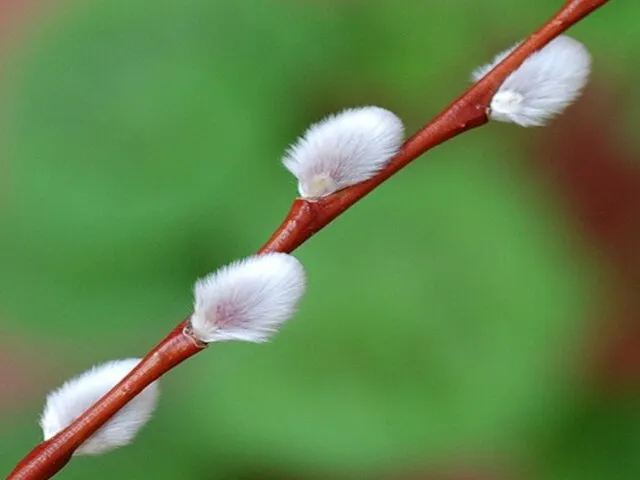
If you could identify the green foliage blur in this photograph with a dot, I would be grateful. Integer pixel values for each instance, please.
(446, 314)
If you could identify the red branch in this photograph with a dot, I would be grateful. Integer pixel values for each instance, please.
(304, 219)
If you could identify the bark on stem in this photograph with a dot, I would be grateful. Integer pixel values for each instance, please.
(50, 456)
(304, 220)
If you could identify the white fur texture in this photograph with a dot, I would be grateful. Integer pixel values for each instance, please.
(248, 300)
(543, 86)
(66, 404)
(344, 149)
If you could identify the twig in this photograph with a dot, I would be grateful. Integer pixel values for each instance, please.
(304, 219)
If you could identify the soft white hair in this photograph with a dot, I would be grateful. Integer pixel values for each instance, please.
(543, 86)
(248, 300)
(344, 149)
(75, 396)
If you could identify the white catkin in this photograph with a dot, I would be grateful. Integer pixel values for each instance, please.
(248, 300)
(344, 149)
(75, 396)
(543, 86)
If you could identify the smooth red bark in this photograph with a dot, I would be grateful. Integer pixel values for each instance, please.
(304, 220)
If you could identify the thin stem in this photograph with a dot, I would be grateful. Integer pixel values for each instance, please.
(304, 219)
(50, 456)
(468, 111)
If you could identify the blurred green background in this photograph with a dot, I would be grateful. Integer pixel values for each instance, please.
(475, 317)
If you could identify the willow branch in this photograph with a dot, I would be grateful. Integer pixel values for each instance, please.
(304, 219)
(468, 111)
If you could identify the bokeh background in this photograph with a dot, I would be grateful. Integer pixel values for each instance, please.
(477, 317)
